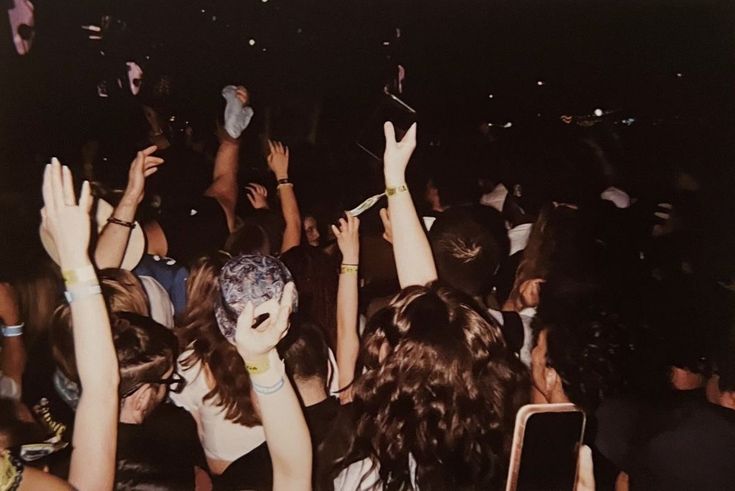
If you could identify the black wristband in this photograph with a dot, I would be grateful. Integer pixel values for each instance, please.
(284, 181)
(122, 223)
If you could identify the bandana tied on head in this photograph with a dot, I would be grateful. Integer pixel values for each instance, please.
(248, 278)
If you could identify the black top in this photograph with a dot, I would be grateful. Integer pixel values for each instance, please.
(160, 453)
(693, 451)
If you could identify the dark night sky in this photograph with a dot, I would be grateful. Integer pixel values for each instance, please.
(591, 53)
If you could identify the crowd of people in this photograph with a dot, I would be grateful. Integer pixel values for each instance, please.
(193, 331)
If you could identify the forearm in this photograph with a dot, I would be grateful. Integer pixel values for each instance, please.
(292, 217)
(96, 416)
(285, 428)
(224, 178)
(348, 342)
(14, 358)
(113, 239)
(411, 249)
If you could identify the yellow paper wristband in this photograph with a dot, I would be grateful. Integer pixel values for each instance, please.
(395, 190)
(85, 274)
(260, 365)
(348, 268)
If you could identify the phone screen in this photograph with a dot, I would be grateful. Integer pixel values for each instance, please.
(549, 455)
(392, 109)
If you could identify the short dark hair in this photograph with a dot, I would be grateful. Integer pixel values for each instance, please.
(466, 253)
(305, 352)
(146, 350)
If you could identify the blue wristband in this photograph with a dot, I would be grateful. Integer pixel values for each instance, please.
(272, 389)
(79, 292)
(13, 331)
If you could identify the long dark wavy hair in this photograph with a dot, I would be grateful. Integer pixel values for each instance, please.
(439, 387)
(200, 335)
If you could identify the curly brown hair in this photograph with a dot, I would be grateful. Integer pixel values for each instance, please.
(200, 336)
(445, 395)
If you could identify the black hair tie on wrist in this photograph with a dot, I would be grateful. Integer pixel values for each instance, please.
(122, 223)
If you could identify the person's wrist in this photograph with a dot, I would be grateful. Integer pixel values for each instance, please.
(74, 260)
(353, 259)
(269, 370)
(130, 199)
(394, 179)
(281, 175)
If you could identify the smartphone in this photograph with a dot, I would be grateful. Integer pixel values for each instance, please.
(546, 443)
(391, 108)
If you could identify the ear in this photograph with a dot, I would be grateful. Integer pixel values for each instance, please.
(141, 398)
(528, 292)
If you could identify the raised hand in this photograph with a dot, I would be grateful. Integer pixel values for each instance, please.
(66, 221)
(348, 238)
(387, 226)
(397, 154)
(144, 165)
(243, 95)
(278, 159)
(254, 343)
(257, 195)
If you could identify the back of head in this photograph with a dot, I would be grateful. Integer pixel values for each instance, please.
(467, 254)
(315, 275)
(146, 350)
(123, 291)
(587, 338)
(440, 388)
(305, 353)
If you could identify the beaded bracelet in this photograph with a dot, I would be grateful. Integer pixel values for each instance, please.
(122, 223)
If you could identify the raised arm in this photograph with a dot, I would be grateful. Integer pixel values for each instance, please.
(95, 434)
(226, 165)
(278, 163)
(348, 341)
(285, 428)
(13, 350)
(110, 249)
(414, 261)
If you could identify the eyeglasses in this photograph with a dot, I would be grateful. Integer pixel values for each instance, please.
(174, 382)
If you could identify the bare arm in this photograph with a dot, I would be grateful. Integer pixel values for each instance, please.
(285, 428)
(348, 341)
(110, 249)
(278, 163)
(414, 261)
(14, 352)
(226, 165)
(95, 438)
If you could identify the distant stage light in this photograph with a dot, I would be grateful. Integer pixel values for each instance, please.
(251, 42)
(598, 112)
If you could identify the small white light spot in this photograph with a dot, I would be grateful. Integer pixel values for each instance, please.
(679, 75)
(598, 112)
(251, 42)
(490, 96)
(540, 83)
(507, 125)
(193, 212)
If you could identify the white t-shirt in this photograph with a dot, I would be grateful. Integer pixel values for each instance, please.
(221, 438)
